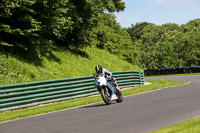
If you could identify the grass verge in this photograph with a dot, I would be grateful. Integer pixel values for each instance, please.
(190, 126)
(10, 115)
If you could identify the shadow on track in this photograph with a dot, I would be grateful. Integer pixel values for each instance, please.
(97, 105)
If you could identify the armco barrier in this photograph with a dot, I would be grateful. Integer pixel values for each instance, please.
(22, 95)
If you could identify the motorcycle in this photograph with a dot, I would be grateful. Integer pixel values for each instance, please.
(105, 90)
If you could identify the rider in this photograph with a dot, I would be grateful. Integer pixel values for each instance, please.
(108, 75)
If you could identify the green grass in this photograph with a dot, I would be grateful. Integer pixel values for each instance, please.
(156, 84)
(10, 115)
(61, 64)
(190, 126)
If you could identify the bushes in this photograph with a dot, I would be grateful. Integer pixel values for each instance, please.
(8, 68)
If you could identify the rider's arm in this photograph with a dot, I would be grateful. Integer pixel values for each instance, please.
(108, 72)
(95, 75)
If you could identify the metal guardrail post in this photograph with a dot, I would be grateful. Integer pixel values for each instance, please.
(142, 77)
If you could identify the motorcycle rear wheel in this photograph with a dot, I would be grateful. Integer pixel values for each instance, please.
(119, 95)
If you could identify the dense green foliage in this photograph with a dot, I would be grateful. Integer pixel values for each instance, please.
(32, 31)
(168, 44)
(115, 39)
(31, 23)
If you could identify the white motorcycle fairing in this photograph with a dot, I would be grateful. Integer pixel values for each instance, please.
(102, 81)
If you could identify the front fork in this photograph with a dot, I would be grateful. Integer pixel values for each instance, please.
(108, 86)
(106, 89)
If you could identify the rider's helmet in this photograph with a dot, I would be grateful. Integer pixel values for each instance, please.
(98, 69)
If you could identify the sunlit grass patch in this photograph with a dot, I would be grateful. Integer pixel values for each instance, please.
(190, 126)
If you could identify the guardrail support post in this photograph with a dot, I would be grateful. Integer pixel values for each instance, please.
(142, 77)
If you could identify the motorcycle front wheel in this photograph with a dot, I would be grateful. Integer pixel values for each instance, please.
(105, 95)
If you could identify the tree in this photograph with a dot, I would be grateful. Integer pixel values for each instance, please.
(17, 22)
(67, 22)
(135, 31)
(115, 39)
(191, 42)
(152, 45)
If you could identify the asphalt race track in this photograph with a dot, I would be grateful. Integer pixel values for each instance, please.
(137, 114)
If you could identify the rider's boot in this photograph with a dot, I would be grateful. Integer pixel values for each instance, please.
(113, 96)
(117, 87)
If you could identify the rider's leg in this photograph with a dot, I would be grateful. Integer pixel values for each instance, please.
(97, 85)
(113, 96)
(110, 87)
(116, 85)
